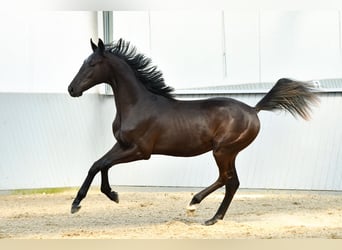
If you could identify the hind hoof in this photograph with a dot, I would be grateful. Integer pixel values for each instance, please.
(191, 208)
(210, 222)
(75, 208)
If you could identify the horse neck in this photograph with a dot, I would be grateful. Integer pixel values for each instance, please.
(127, 89)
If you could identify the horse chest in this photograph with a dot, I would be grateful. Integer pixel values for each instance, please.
(126, 133)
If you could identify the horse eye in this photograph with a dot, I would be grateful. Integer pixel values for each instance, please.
(92, 63)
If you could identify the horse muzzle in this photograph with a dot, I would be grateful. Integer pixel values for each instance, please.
(73, 92)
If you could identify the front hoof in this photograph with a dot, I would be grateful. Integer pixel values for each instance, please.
(75, 208)
(114, 196)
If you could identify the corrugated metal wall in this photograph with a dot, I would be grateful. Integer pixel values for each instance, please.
(50, 140)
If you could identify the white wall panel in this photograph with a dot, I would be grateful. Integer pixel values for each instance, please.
(187, 46)
(300, 44)
(206, 48)
(59, 42)
(50, 140)
(133, 26)
(242, 44)
(43, 50)
(15, 73)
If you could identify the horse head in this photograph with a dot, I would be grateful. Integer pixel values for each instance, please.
(91, 72)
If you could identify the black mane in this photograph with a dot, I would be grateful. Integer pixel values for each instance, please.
(148, 74)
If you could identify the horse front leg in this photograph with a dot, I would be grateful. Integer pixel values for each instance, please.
(116, 155)
(105, 186)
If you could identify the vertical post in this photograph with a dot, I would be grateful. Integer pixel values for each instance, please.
(259, 45)
(224, 50)
(107, 26)
(340, 33)
(108, 36)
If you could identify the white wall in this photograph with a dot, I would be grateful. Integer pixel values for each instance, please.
(51, 140)
(203, 48)
(42, 51)
(242, 44)
(300, 44)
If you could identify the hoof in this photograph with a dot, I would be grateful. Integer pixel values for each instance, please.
(75, 208)
(210, 222)
(191, 208)
(113, 196)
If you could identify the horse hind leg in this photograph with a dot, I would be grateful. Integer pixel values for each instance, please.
(221, 181)
(225, 160)
(204, 193)
(227, 176)
(231, 186)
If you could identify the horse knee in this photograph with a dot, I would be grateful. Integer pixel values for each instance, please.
(100, 165)
(95, 168)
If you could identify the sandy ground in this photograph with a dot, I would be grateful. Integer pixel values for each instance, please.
(160, 213)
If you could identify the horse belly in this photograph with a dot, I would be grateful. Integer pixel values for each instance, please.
(184, 143)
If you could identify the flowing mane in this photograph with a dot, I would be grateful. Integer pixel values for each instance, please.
(142, 66)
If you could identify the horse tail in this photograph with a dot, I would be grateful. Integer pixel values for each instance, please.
(289, 95)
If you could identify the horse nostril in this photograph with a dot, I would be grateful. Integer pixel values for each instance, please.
(71, 90)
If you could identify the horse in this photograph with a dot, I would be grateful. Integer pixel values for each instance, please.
(150, 120)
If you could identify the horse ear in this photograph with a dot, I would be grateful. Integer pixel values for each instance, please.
(93, 45)
(101, 46)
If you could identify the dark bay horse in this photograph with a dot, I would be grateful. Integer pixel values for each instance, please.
(149, 120)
